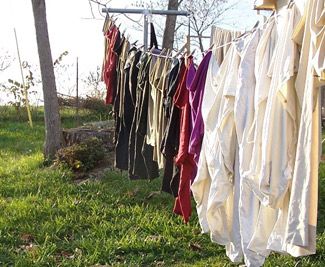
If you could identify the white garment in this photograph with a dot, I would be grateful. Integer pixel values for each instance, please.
(257, 180)
(206, 165)
(266, 216)
(221, 197)
(302, 217)
(278, 143)
(280, 130)
(263, 59)
(243, 118)
(279, 127)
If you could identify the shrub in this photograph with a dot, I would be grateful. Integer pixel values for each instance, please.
(95, 104)
(83, 156)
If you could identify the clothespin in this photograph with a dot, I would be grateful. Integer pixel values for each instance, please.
(162, 51)
(211, 46)
(192, 53)
(181, 50)
(151, 49)
(106, 22)
(291, 2)
(169, 53)
(241, 35)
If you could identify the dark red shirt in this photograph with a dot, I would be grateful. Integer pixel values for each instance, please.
(183, 159)
(112, 36)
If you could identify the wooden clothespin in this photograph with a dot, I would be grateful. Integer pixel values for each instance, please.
(151, 49)
(107, 23)
(162, 51)
(181, 50)
(169, 53)
(211, 46)
(192, 53)
(290, 4)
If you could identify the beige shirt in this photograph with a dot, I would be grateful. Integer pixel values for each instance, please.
(302, 213)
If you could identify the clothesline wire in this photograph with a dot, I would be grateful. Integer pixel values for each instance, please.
(244, 35)
(158, 55)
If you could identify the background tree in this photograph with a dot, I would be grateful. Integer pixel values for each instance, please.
(16, 90)
(204, 14)
(5, 60)
(170, 25)
(53, 131)
(94, 84)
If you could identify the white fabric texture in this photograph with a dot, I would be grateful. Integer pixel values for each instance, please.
(220, 202)
(243, 119)
(206, 165)
(302, 217)
(257, 181)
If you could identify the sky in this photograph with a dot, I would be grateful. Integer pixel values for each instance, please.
(72, 28)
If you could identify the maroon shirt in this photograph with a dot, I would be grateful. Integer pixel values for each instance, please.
(183, 159)
(112, 36)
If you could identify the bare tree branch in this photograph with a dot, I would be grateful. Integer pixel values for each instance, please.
(133, 20)
(98, 3)
(5, 61)
(91, 9)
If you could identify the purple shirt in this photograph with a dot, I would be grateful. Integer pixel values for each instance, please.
(189, 80)
(196, 95)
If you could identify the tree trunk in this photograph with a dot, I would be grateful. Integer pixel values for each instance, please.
(201, 43)
(53, 131)
(169, 32)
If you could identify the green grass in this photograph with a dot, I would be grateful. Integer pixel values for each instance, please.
(48, 220)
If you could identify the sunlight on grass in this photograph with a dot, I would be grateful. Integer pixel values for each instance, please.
(47, 219)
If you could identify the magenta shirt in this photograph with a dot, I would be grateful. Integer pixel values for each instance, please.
(189, 80)
(196, 86)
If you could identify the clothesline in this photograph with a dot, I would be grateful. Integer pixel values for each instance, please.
(169, 115)
(167, 56)
(245, 33)
(160, 55)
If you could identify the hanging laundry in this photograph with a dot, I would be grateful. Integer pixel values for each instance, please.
(170, 142)
(264, 53)
(210, 106)
(222, 38)
(142, 165)
(127, 103)
(302, 210)
(109, 70)
(241, 131)
(184, 161)
(246, 204)
(196, 88)
(121, 53)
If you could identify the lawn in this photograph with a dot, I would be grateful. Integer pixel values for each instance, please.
(47, 219)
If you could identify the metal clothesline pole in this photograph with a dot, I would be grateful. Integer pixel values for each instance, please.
(142, 11)
(146, 13)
